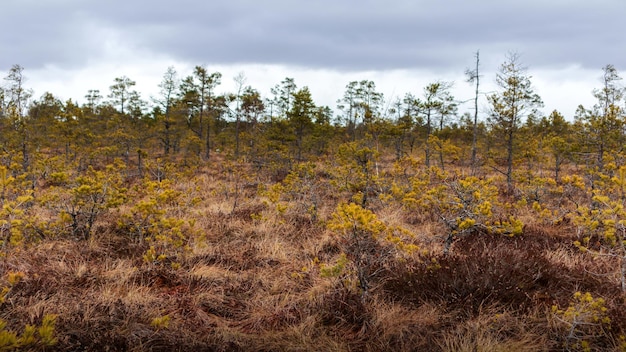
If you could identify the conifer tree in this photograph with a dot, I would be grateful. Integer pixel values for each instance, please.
(515, 101)
(603, 124)
(301, 117)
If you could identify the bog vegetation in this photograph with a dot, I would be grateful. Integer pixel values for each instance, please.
(219, 222)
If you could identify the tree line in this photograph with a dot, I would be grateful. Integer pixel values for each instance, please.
(189, 120)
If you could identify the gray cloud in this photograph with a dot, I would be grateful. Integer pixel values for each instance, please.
(342, 35)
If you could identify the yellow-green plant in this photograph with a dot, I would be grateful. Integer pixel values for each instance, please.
(157, 217)
(12, 278)
(85, 198)
(360, 233)
(299, 191)
(170, 238)
(161, 322)
(534, 188)
(335, 269)
(547, 198)
(153, 198)
(602, 226)
(463, 205)
(17, 221)
(14, 221)
(444, 148)
(582, 321)
(356, 170)
(54, 170)
(32, 338)
(159, 169)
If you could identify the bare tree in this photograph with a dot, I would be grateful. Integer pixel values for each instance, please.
(473, 76)
(240, 81)
(169, 86)
(15, 94)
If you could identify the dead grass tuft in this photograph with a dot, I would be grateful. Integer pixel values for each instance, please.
(493, 331)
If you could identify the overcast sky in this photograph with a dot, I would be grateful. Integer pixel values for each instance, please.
(70, 46)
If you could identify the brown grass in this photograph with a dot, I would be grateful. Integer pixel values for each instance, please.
(255, 285)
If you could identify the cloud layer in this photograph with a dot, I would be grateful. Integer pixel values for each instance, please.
(344, 35)
(70, 46)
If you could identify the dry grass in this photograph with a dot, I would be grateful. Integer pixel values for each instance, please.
(251, 282)
(493, 332)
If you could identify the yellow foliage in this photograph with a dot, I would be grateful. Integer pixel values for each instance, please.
(336, 269)
(585, 317)
(162, 322)
(466, 224)
(46, 330)
(462, 205)
(150, 255)
(150, 219)
(350, 218)
(13, 278)
(31, 338)
(59, 178)
(81, 201)
(574, 180)
(296, 193)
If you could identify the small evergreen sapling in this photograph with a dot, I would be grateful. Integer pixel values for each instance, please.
(365, 241)
(463, 205)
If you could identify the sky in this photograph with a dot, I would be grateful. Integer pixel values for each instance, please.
(68, 47)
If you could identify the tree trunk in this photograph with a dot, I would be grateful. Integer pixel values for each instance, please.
(428, 132)
(208, 140)
(237, 136)
(509, 159)
(475, 131)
